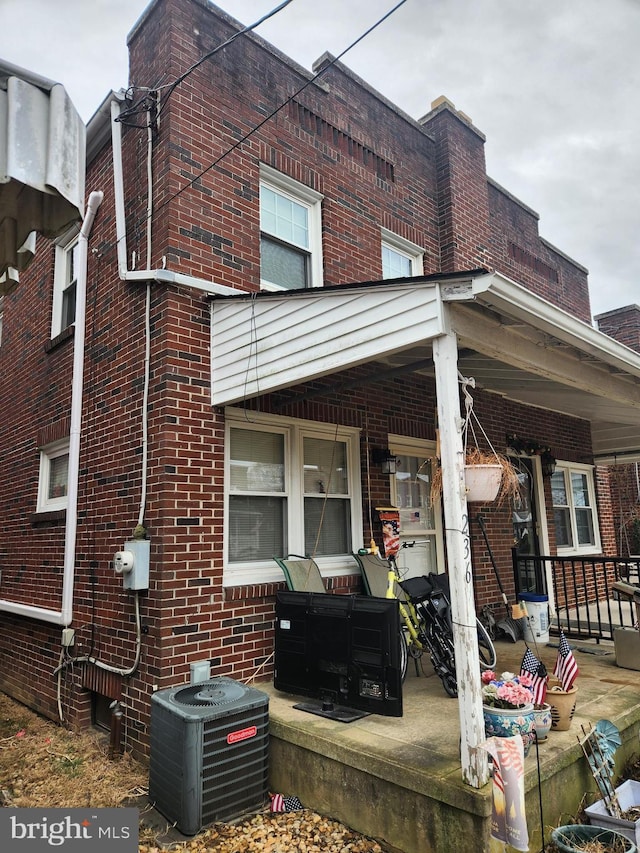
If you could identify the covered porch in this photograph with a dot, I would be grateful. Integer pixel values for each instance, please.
(399, 779)
(513, 343)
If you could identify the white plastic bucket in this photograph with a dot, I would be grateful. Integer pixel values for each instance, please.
(536, 625)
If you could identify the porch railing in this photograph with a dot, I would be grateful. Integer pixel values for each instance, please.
(585, 602)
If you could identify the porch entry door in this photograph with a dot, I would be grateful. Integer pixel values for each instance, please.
(525, 526)
(419, 521)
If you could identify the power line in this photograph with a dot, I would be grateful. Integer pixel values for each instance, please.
(144, 105)
(247, 136)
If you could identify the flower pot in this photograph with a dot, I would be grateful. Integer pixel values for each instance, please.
(508, 722)
(575, 837)
(563, 705)
(482, 482)
(542, 719)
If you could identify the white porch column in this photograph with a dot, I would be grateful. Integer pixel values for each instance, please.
(474, 760)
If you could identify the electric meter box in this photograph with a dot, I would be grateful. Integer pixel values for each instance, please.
(138, 577)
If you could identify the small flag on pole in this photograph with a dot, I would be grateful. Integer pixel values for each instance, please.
(537, 672)
(566, 667)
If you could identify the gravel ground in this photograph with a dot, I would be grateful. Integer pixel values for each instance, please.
(45, 765)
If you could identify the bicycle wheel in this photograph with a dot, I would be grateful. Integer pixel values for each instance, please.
(404, 654)
(486, 649)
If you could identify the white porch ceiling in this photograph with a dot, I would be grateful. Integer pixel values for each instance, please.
(510, 341)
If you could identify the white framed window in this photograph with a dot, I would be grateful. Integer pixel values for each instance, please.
(290, 233)
(53, 483)
(1, 316)
(292, 487)
(574, 509)
(64, 283)
(400, 257)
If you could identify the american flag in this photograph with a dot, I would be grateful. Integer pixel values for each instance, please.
(284, 804)
(537, 671)
(566, 667)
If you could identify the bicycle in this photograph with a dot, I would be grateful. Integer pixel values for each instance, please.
(425, 618)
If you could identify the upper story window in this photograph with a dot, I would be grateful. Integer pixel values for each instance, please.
(400, 257)
(574, 509)
(292, 488)
(54, 476)
(290, 233)
(64, 283)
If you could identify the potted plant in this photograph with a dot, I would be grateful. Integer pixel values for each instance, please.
(507, 706)
(488, 475)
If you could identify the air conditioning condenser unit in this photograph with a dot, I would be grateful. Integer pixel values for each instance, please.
(209, 757)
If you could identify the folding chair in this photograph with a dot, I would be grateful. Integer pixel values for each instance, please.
(375, 576)
(301, 573)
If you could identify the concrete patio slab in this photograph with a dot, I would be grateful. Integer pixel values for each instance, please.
(399, 779)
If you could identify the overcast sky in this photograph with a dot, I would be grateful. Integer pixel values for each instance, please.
(553, 84)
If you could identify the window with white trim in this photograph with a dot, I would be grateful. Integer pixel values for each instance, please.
(53, 482)
(290, 233)
(574, 509)
(292, 488)
(400, 257)
(64, 283)
(1, 316)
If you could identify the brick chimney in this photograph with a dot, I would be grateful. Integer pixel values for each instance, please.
(622, 324)
(463, 200)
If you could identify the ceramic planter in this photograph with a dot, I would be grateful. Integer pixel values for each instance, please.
(508, 722)
(482, 482)
(543, 719)
(563, 705)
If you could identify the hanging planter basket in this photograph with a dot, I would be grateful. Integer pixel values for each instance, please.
(482, 482)
(488, 475)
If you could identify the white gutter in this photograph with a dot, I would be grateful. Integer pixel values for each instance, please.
(161, 276)
(515, 300)
(65, 615)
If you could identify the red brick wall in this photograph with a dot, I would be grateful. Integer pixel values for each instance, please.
(518, 251)
(623, 325)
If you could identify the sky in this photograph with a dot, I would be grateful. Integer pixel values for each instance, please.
(554, 85)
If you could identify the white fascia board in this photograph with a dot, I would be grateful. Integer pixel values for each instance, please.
(499, 292)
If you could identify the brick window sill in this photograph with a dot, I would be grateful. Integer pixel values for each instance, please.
(64, 335)
(55, 516)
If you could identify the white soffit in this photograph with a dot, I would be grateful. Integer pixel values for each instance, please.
(273, 341)
(42, 161)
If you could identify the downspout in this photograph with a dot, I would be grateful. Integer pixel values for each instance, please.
(65, 615)
(160, 276)
(95, 200)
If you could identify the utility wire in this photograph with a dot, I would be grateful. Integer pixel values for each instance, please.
(277, 110)
(215, 50)
(142, 106)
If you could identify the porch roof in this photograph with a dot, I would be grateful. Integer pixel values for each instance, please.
(512, 342)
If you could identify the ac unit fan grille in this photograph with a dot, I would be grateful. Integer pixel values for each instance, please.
(199, 695)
